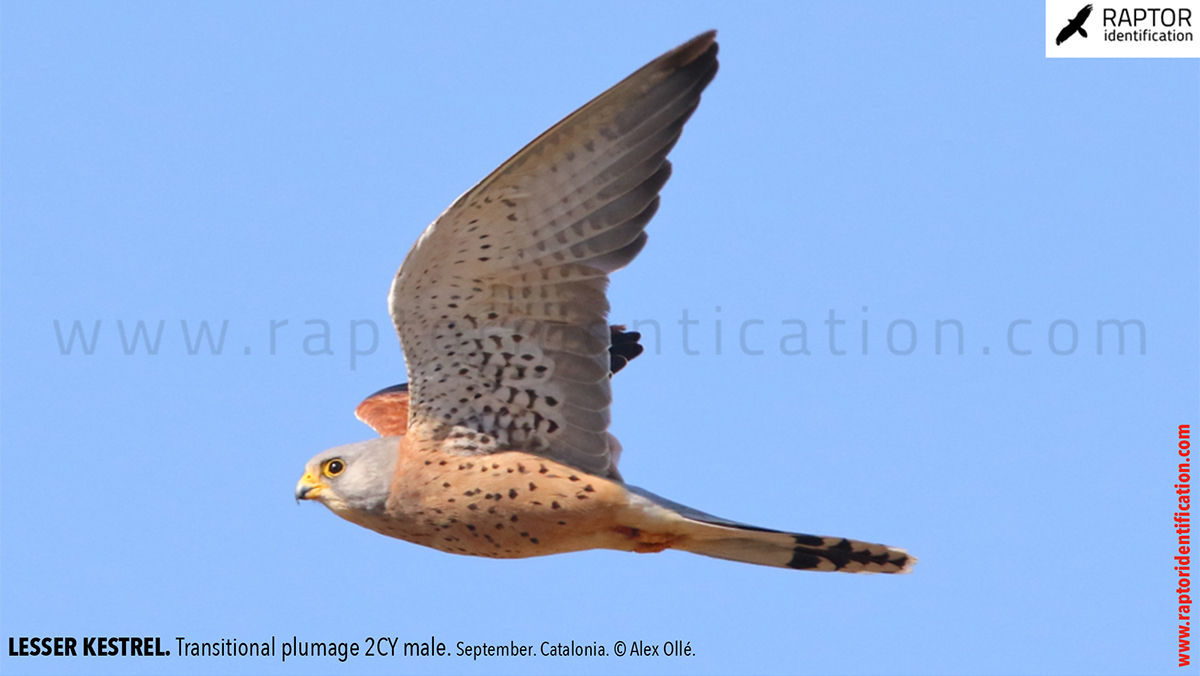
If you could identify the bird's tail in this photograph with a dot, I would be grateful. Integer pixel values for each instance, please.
(700, 533)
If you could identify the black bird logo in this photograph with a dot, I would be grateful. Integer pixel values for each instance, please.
(1075, 24)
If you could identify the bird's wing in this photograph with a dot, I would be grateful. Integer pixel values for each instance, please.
(623, 348)
(386, 411)
(1082, 15)
(500, 305)
(1065, 33)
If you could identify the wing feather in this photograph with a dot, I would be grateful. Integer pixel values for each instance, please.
(500, 306)
(386, 411)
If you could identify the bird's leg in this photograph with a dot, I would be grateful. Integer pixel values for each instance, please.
(647, 543)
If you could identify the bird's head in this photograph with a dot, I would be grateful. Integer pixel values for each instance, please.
(352, 480)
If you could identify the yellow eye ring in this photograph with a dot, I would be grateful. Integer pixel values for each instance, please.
(334, 467)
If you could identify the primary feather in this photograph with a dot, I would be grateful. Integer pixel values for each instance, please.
(501, 306)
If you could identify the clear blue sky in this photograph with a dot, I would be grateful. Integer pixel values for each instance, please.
(257, 162)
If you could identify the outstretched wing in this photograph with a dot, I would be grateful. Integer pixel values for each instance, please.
(1073, 25)
(500, 305)
(1065, 33)
(623, 348)
(386, 411)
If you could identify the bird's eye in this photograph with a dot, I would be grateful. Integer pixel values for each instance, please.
(334, 467)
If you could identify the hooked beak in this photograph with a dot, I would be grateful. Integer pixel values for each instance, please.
(308, 488)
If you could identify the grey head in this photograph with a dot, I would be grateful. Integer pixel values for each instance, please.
(352, 480)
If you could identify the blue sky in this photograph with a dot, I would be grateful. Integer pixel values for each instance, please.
(248, 163)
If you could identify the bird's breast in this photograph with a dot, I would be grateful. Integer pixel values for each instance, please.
(503, 505)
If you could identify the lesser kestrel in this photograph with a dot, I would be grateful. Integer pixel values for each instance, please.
(499, 444)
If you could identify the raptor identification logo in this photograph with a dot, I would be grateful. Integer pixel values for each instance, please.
(1131, 29)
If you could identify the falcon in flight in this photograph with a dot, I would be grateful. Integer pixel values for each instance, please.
(1074, 25)
(498, 446)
